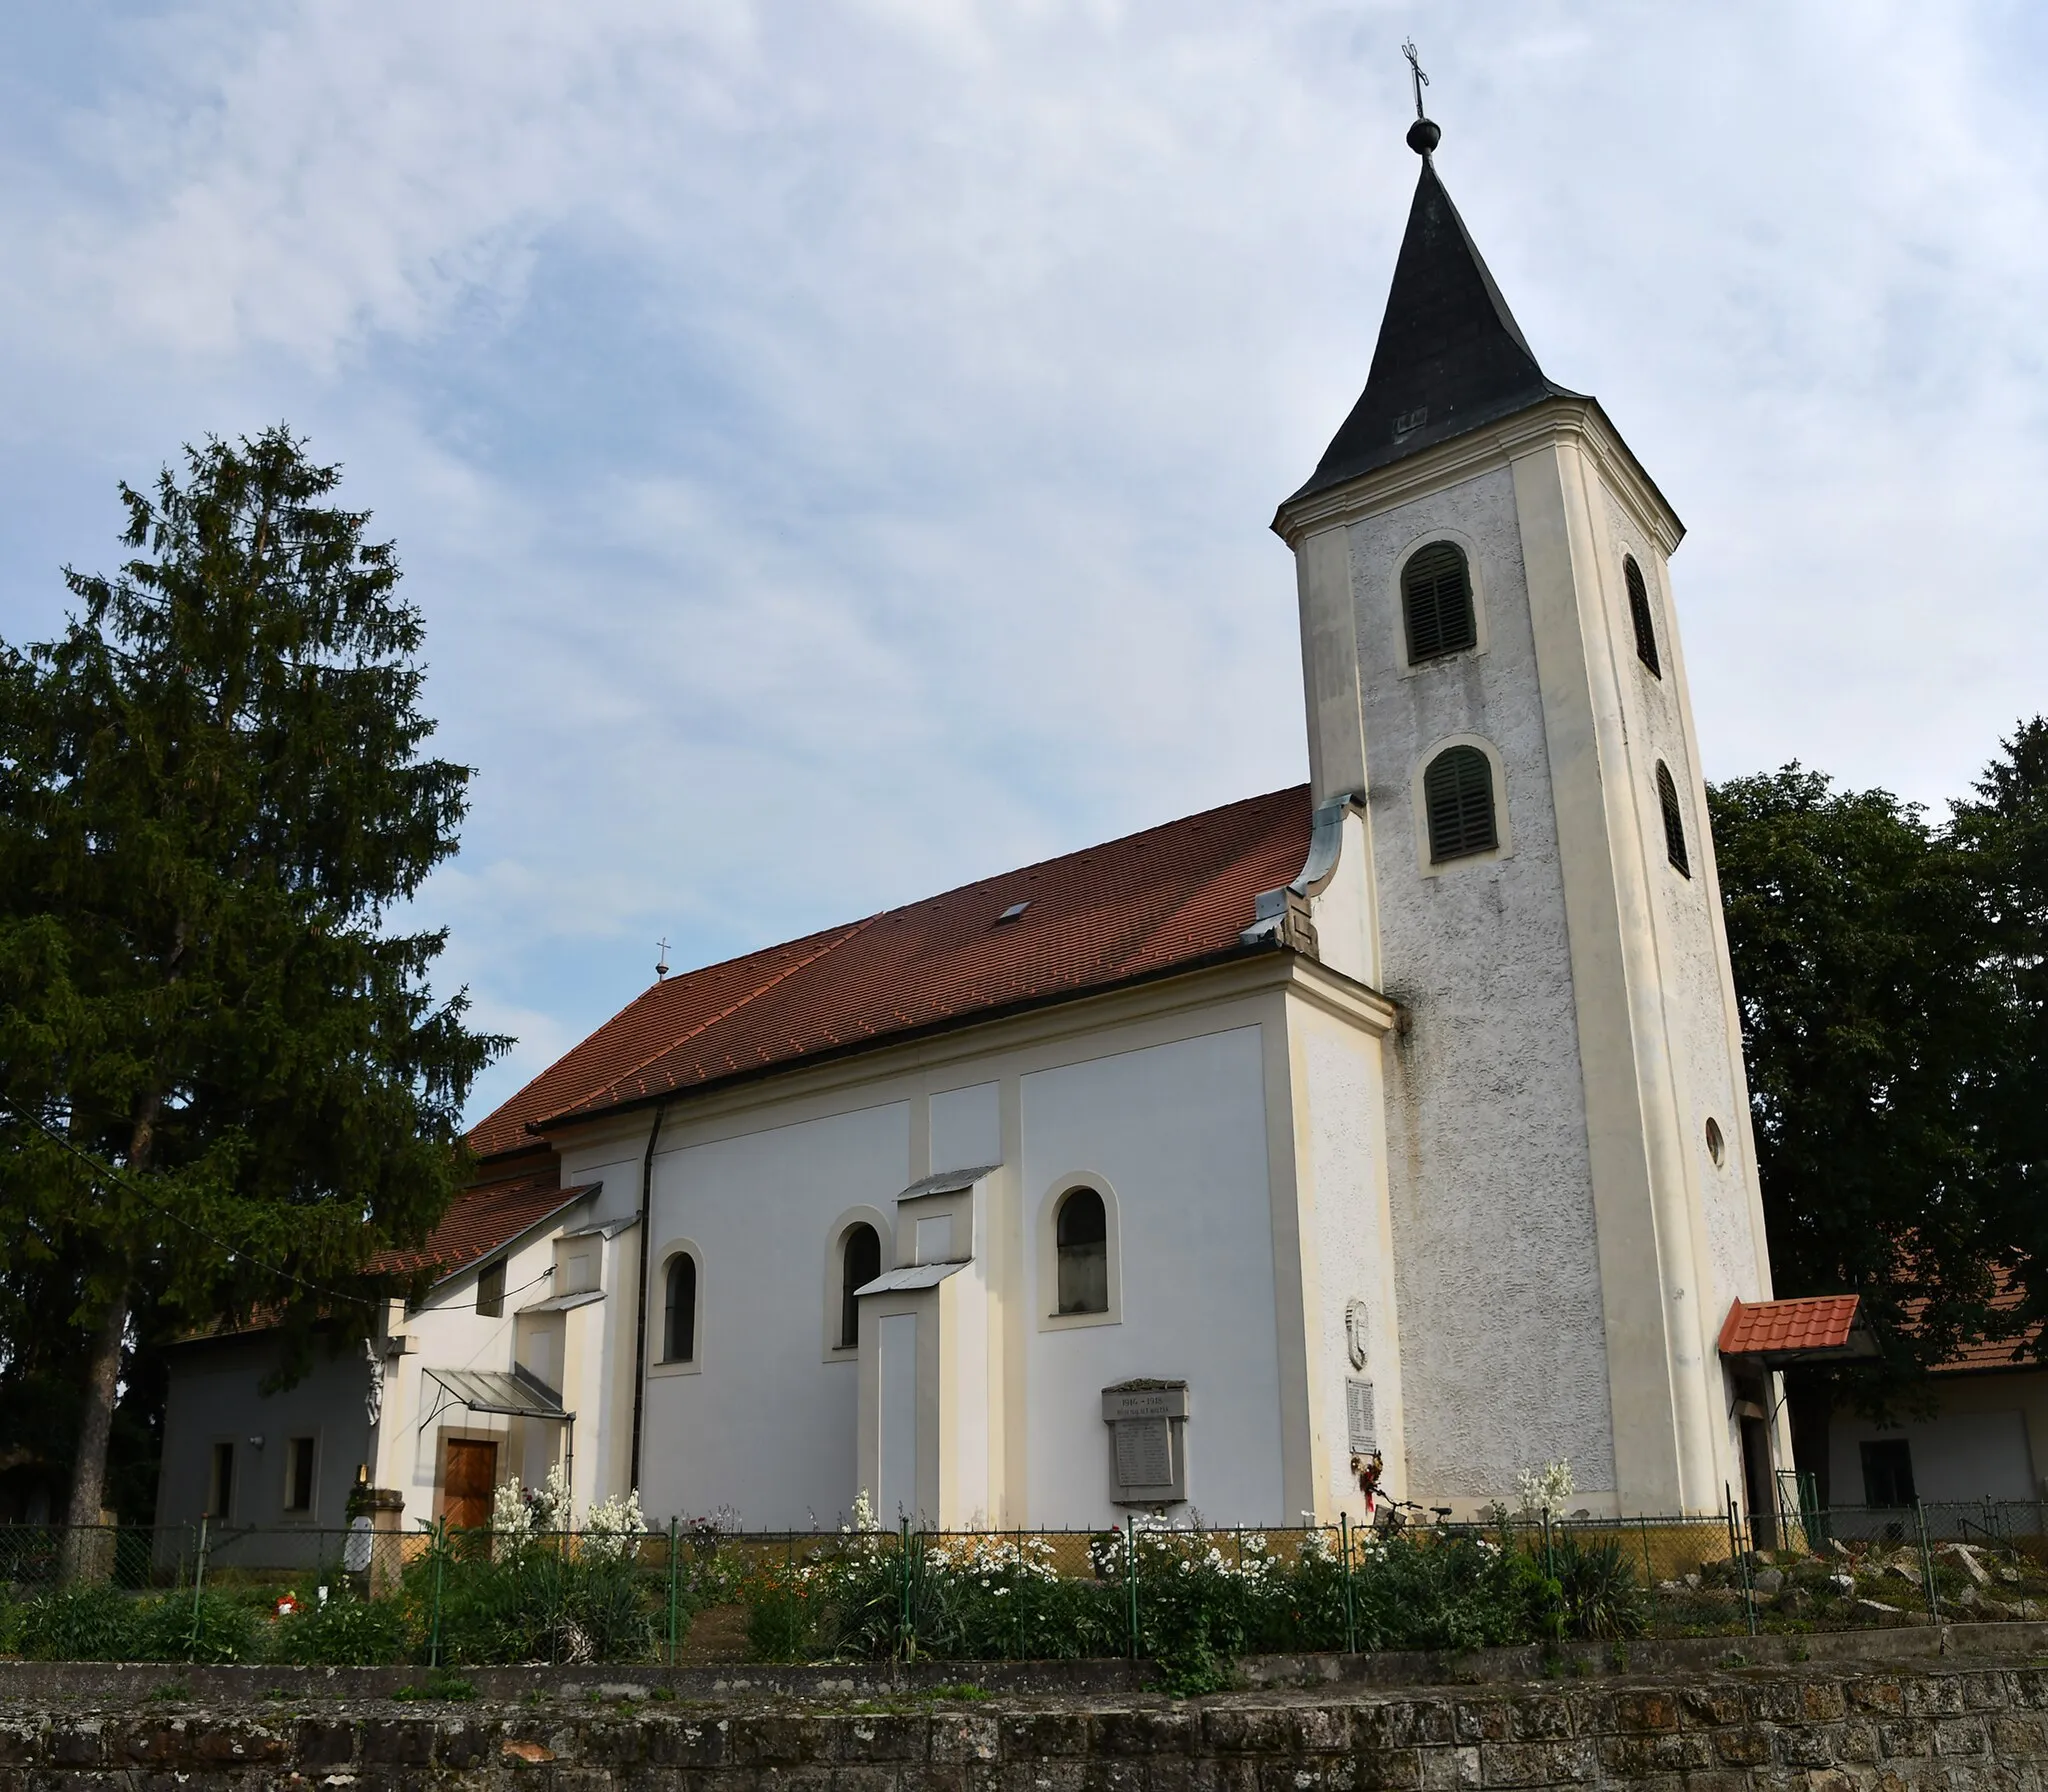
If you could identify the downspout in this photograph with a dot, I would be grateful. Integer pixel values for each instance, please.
(640, 1309)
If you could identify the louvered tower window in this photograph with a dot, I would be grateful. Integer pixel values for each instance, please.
(1639, 614)
(1674, 820)
(1436, 601)
(1457, 793)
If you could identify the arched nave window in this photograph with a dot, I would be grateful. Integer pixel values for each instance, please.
(1674, 820)
(1081, 1234)
(679, 1310)
(860, 1262)
(1457, 796)
(1639, 614)
(1436, 602)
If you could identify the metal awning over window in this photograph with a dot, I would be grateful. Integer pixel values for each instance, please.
(516, 1394)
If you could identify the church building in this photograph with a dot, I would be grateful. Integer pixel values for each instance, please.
(1401, 1113)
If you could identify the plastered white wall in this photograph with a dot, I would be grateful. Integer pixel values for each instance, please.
(1179, 1132)
(1502, 1331)
(1352, 1245)
(763, 1425)
(1956, 1456)
(449, 1333)
(967, 1128)
(1702, 1027)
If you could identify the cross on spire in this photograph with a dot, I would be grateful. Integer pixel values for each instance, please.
(1423, 135)
(661, 966)
(1415, 69)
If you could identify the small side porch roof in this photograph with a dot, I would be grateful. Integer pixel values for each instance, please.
(514, 1393)
(1775, 1333)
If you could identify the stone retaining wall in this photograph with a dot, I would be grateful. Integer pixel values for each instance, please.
(1976, 1727)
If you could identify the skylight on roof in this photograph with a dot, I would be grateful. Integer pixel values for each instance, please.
(1015, 912)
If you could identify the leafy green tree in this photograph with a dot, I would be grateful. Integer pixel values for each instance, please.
(221, 1079)
(1872, 1015)
(2003, 834)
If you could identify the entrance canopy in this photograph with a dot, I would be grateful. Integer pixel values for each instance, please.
(514, 1394)
(1775, 1333)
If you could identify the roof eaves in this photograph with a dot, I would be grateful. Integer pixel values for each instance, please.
(570, 1198)
(951, 1023)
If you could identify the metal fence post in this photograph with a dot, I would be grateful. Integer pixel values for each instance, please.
(1741, 1557)
(1927, 1560)
(1649, 1572)
(1350, 1608)
(438, 1545)
(198, 1583)
(1131, 1581)
(672, 1591)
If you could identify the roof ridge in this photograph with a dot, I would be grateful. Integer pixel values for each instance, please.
(1157, 827)
(847, 931)
(645, 995)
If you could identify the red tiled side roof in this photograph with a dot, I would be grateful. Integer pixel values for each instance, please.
(1996, 1353)
(1171, 896)
(1753, 1328)
(482, 1218)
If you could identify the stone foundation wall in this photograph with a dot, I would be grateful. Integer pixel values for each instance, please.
(1814, 1729)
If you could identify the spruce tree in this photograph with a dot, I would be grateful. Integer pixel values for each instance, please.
(222, 1080)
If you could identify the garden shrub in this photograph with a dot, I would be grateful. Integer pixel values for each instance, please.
(543, 1600)
(1597, 1583)
(216, 1627)
(343, 1632)
(79, 1623)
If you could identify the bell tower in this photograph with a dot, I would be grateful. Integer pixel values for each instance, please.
(1491, 660)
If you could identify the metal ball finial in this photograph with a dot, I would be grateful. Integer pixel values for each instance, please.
(1424, 136)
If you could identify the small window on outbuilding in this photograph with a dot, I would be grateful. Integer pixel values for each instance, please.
(679, 1311)
(1457, 795)
(1674, 821)
(1887, 1472)
(490, 1290)
(1081, 1236)
(860, 1262)
(1639, 614)
(298, 1475)
(220, 1488)
(1436, 602)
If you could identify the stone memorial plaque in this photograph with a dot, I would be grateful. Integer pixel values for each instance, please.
(1144, 1453)
(1358, 1414)
(1147, 1422)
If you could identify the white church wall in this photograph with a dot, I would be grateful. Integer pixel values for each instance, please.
(1697, 987)
(447, 1332)
(1503, 1349)
(1179, 1132)
(1351, 1250)
(967, 1128)
(760, 1423)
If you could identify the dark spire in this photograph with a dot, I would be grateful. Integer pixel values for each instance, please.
(1450, 357)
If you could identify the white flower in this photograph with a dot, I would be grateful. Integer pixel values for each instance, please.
(612, 1530)
(1544, 1490)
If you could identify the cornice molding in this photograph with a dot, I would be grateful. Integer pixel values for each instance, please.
(1214, 985)
(1579, 422)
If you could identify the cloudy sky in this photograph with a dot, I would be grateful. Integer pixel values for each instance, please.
(832, 441)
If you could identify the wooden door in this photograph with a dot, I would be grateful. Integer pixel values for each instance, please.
(470, 1482)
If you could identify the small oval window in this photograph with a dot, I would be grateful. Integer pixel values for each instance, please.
(1717, 1147)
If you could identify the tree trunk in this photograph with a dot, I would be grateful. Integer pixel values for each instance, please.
(103, 1370)
(96, 1422)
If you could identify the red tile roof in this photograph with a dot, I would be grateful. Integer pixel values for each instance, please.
(1170, 897)
(1780, 1327)
(482, 1218)
(1997, 1353)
